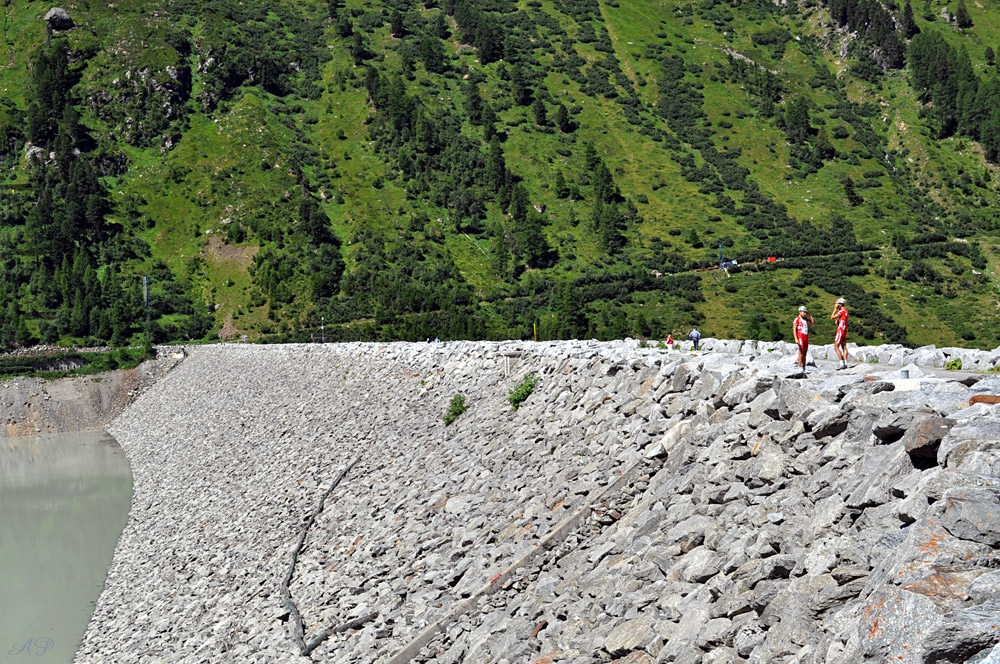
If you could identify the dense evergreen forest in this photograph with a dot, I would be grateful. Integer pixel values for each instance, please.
(489, 169)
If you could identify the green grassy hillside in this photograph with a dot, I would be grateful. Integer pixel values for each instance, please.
(482, 168)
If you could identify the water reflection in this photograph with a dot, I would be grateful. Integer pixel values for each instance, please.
(64, 500)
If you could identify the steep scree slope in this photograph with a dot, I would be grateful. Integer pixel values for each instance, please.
(640, 506)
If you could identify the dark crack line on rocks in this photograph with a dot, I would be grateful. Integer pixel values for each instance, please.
(298, 630)
(503, 580)
(343, 627)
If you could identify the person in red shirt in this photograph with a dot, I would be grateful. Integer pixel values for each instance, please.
(800, 331)
(840, 338)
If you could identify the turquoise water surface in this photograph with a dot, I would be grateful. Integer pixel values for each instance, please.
(64, 500)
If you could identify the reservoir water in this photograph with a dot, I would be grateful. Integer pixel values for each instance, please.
(64, 500)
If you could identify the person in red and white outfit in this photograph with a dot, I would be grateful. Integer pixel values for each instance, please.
(800, 331)
(840, 338)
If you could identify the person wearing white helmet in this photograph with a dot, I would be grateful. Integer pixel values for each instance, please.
(840, 338)
(800, 332)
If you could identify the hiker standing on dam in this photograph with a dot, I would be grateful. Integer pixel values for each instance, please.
(800, 331)
(695, 336)
(840, 337)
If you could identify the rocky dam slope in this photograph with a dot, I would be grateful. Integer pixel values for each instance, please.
(308, 503)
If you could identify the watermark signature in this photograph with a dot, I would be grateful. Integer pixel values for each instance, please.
(34, 646)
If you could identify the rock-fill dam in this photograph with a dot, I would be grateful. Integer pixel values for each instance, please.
(308, 503)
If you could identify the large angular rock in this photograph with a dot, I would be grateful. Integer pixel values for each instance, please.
(893, 624)
(986, 386)
(683, 636)
(829, 421)
(763, 408)
(985, 588)
(796, 401)
(941, 402)
(683, 376)
(866, 385)
(698, 566)
(705, 387)
(669, 440)
(881, 468)
(891, 426)
(58, 19)
(973, 446)
(748, 637)
(769, 569)
(748, 390)
(946, 588)
(961, 634)
(632, 635)
(928, 357)
(923, 437)
(973, 514)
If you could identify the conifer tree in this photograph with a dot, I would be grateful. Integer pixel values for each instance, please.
(909, 24)
(344, 26)
(560, 186)
(496, 166)
(538, 108)
(441, 26)
(473, 103)
(824, 147)
(532, 247)
(432, 54)
(610, 224)
(519, 86)
(570, 323)
(501, 258)
(23, 336)
(562, 119)
(359, 49)
(853, 197)
(489, 124)
(962, 18)
(519, 202)
(78, 316)
(590, 157)
(605, 190)
(8, 325)
(396, 25)
(797, 124)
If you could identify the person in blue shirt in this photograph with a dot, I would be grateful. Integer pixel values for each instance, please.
(695, 336)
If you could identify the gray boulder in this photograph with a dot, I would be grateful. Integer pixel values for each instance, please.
(748, 390)
(828, 421)
(59, 19)
(924, 435)
(985, 588)
(632, 635)
(987, 386)
(881, 468)
(962, 634)
(797, 402)
(973, 447)
(973, 514)
(892, 426)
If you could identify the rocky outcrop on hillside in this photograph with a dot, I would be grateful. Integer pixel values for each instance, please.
(641, 505)
(58, 18)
